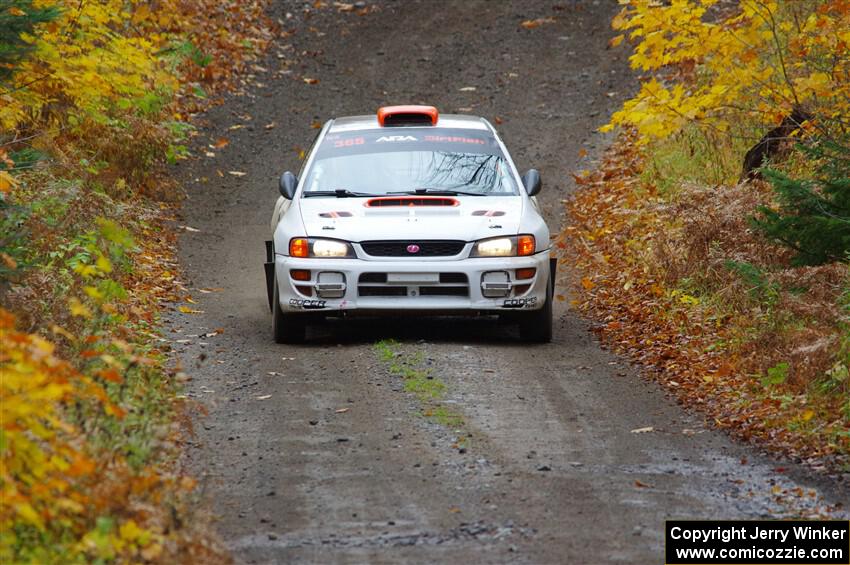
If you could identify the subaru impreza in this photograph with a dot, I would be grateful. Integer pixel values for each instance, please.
(409, 211)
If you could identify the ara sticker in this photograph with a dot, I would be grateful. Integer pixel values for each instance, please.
(386, 138)
(307, 304)
(520, 302)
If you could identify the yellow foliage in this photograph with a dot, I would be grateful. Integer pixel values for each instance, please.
(7, 182)
(86, 60)
(714, 65)
(77, 308)
(41, 454)
(46, 470)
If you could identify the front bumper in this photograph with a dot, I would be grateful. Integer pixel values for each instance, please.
(486, 285)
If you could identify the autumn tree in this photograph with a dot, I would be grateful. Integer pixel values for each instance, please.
(734, 70)
(85, 64)
(18, 20)
(719, 66)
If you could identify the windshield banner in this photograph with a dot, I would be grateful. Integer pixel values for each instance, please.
(387, 140)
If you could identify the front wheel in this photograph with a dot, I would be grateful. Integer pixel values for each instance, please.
(287, 328)
(536, 326)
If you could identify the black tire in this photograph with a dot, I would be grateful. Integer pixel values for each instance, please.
(536, 326)
(287, 328)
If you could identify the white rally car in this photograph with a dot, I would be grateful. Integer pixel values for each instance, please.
(409, 211)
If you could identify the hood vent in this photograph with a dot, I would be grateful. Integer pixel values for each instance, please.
(411, 201)
(335, 214)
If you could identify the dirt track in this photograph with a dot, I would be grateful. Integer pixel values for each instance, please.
(548, 469)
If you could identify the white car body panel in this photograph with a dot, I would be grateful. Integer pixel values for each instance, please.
(438, 222)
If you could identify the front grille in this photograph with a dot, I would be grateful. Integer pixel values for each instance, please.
(428, 248)
(379, 278)
(444, 291)
(375, 284)
(457, 278)
(382, 290)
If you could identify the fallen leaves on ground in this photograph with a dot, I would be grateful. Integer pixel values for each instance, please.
(622, 239)
(531, 24)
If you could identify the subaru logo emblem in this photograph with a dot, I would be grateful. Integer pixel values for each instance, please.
(413, 248)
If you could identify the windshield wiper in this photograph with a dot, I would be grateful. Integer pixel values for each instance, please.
(439, 192)
(339, 193)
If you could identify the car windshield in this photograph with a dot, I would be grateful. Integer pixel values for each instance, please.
(407, 160)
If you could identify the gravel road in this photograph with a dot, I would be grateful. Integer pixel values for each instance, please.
(551, 454)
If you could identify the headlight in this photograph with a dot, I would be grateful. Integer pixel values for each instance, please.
(314, 247)
(518, 245)
(329, 248)
(501, 247)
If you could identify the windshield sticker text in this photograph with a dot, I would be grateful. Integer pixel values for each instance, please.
(455, 139)
(395, 138)
(351, 142)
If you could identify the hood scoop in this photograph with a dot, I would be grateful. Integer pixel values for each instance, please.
(411, 201)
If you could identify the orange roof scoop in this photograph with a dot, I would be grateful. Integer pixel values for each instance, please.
(389, 116)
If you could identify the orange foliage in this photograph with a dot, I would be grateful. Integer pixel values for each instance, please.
(87, 433)
(630, 248)
(42, 456)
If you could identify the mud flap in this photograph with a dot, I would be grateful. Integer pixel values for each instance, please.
(269, 266)
(553, 270)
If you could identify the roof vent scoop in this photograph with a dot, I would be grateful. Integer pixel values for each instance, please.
(395, 116)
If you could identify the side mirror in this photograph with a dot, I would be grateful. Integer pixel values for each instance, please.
(288, 184)
(531, 182)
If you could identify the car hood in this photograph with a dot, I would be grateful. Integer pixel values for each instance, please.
(359, 219)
